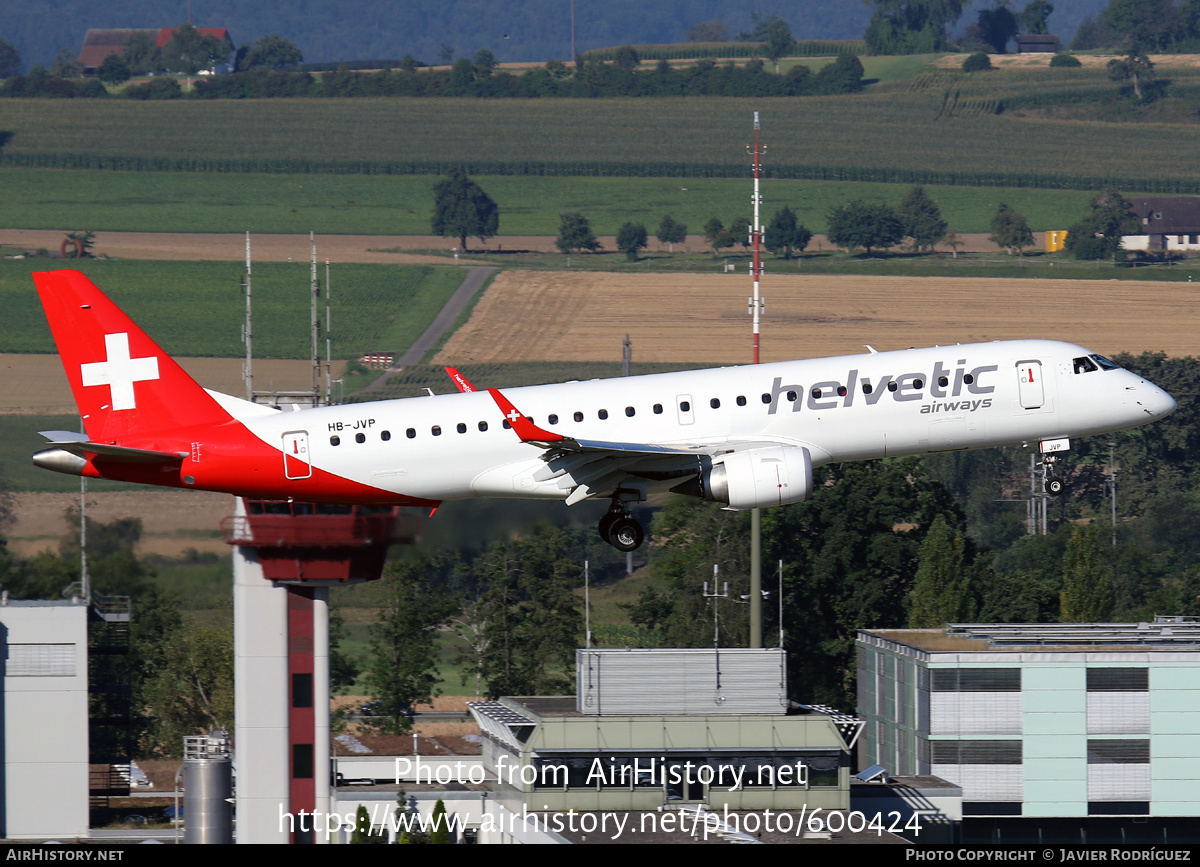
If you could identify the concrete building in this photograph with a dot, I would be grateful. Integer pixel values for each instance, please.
(44, 751)
(1056, 732)
(655, 728)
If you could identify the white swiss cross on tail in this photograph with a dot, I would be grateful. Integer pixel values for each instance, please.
(120, 371)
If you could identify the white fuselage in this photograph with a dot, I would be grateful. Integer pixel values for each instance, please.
(841, 409)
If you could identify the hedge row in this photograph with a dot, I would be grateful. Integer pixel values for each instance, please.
(714, 50)
(582, 168)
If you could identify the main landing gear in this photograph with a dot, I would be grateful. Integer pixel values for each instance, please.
(1053, 484)
(620, 529)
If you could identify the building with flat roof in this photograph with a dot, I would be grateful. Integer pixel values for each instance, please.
(654, 728)
(44, 748)
(1056, 732)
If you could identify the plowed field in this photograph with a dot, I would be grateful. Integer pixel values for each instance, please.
(565, 316)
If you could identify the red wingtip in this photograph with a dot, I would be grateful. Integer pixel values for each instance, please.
(524, 428)
(459, 380)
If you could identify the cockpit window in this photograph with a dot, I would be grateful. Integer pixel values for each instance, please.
(1083, 364)
(1104, 363)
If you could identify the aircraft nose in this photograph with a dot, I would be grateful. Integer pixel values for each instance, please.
(1153, 400)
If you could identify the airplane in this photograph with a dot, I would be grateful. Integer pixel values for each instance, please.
(747, 437)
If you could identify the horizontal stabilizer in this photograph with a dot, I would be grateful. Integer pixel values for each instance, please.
(77, 444)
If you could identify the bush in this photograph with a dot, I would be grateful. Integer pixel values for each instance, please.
(158, 88)
(1064, 61)
(1089, 249)
(977, 62)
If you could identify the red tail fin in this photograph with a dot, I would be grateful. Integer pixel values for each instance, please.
(123, 383)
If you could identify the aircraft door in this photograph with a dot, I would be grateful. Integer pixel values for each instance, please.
(295, 455)
(683, 403)
(1029, 383)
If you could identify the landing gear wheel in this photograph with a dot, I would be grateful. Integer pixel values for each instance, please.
(606, 524)
(1054, 487)
(626, 534)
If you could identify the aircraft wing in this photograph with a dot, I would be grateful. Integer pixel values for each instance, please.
(592, 467)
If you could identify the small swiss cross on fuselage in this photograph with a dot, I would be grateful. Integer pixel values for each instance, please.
(513, 415)
(119, 372)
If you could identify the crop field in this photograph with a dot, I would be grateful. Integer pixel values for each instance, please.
(403, 204)
(702, 318)
(374, 306)
(897, 131)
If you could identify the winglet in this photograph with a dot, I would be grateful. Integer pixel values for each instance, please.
(524, 428)
(460, 380)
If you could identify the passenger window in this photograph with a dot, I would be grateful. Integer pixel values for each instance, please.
(684, 406)
(411, 433)
(360, 438)
(629, 411)
(766, 398)
(462, 428)
(507, 424)
(715, 403)
(385, 435)
(968, 379)
(333, 441)
(603, 414)
(868, 388)
(436, 430)
(553, 419)
(841, 390)
(658, 409)
(741, 401)
(578, 416)
(918, 383)
(892, 386)
(816, 392)
(943, 382)
(483, 425)
(791, 395)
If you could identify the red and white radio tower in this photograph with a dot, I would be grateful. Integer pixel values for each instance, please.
(756, 304)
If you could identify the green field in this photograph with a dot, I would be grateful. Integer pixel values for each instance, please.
(198, 308)
(403, 204)
(943, 123)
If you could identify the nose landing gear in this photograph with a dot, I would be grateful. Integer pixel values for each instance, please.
(1054, 485)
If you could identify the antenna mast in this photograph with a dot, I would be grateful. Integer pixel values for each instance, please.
(316, 325)
(246, 368)
(756, 303)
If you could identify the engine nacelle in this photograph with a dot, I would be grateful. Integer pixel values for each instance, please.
(755, 478)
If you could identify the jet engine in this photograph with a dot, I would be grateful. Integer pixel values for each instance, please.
(755, 478)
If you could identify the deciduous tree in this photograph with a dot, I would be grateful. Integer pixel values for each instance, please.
(779, 40)
(1099, 234)
(1034, 17)
(190, 51)
(869, 225)
(403, 660)
(10, 60)
(671, 232)
(114, 70)
(272, 52)
(1010, 230)
(631, 238)
(142, 54)
(575, 233)
(461, 208)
